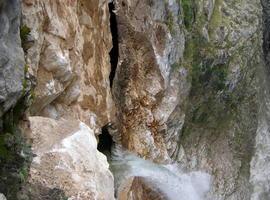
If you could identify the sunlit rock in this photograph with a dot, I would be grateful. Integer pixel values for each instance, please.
(66, 158)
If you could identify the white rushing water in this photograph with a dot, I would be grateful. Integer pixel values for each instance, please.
(170, 180)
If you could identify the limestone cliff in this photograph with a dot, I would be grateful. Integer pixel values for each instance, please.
(147, 90)
(68, 52)
(180, 82)
(186, 86)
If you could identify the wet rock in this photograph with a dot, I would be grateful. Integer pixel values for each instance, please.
(137, 189)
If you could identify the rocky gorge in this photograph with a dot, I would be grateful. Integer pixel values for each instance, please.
(134, 99)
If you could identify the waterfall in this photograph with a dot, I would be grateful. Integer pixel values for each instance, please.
(169, 180)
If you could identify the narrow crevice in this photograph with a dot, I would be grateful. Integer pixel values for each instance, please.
(266, 30)
(105, 141)
(114, 53)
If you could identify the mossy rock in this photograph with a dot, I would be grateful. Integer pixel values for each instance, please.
(24, 34)
(15, 152)
(189, 10)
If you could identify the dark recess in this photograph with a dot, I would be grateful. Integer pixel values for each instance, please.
(266, 30)
(105, 141)
(114, 53)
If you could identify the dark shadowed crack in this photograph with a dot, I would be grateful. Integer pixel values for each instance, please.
(114, 53)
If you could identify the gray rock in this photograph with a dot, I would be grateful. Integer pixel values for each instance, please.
(11, 55)
(259, 166)
(2, 197)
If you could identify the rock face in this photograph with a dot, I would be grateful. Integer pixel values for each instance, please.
(146, 89)
(68, 53)
(259, 173)
(137, 188)
(221, 121)
(66, 158)
(11, 55)
(186, 89)
(14, 93)
(2, 197)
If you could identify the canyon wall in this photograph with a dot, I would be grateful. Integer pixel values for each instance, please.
(259, 173)
(173, 81)
(147, 91)
(64, 51)
(67, 51)
(186, 86)
(224, 52)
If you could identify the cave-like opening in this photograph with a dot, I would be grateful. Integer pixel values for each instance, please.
(114, 53)
(105, 141)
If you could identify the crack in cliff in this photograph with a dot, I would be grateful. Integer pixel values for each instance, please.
(266, 30)
(114, 53)
(105, 141)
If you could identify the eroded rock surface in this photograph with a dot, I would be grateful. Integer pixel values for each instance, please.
(185, 91)
(259, 173)
(136, 188)
(66, 158)
(68, 53)
(186, 86)
(146, 89)
(11, 55)
(223, 54)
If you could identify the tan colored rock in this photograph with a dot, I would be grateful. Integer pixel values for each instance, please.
(200, 107)
(137, 189)
(146, 90)
(68, 53)
(66, 158)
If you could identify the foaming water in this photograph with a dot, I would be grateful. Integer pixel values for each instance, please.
(170, 180)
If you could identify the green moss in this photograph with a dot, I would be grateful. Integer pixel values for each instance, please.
(170, 22)
(3, 149)
(15, 158)
(176, 66)
(25, 81)
(207, 80)
(216, 17)
(208, 75)
(26, 69)
(188, 7)
(23, 173)
(15, 153)
(24, 33)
